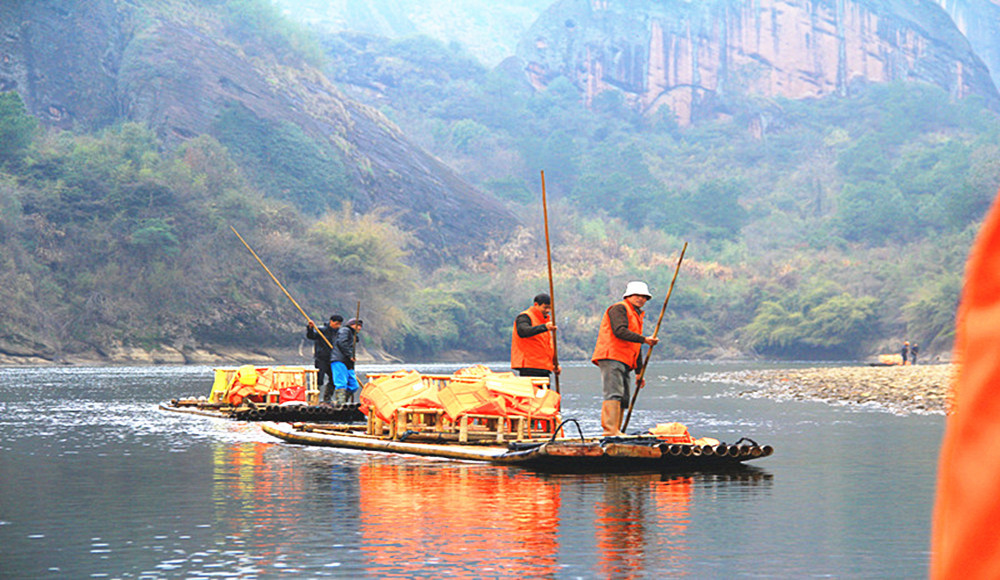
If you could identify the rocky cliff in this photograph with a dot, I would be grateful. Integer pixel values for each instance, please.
(979, 21)
(173, 64)
(692, 57)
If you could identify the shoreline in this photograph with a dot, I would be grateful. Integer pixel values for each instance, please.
(901, 389)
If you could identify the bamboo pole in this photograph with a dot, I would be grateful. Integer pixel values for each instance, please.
(552, 296)
(356, 317)
(280, 285)
(642, 372)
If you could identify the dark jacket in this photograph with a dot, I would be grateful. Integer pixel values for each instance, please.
(321, 352)
(343, 348)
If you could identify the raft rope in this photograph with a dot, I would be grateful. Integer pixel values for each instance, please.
(559, 428)
(522, 446)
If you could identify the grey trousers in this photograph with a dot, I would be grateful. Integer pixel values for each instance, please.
(615, 380)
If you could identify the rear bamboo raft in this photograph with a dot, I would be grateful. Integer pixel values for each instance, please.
(281, 393)
(477, 415)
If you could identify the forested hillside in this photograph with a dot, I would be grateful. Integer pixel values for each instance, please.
(831, 227)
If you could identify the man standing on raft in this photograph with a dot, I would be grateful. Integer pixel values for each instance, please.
(531, 351)
(321, 352)
(616, 353)
(345, 382)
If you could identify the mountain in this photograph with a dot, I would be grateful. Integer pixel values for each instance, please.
(486, 28)
(979, 21)
(695, 58)
(830, 179)
(187, 70)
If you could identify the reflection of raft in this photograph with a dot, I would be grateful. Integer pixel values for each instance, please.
(609, 454)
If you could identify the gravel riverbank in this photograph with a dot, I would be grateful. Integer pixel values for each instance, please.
(907, 389)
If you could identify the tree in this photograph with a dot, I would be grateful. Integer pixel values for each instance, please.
(817, 321)
(17, 127)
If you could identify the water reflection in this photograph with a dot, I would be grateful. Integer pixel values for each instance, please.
(418, 517)
(623, 523)
(95, 481)
(465, 518)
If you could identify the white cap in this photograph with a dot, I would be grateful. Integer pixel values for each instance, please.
(639, 288)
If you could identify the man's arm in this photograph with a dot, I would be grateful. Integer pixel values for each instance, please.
(619, 324)
(525, 329)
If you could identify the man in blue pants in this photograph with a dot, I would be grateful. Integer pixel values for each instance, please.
(342, 358)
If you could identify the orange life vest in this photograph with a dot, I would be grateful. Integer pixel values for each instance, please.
(964, 542)
(534, 352)
(610, 346)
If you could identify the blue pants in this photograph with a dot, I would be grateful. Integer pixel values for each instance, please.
(343, 378)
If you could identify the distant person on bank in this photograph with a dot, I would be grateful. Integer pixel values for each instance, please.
(321, 352)
(619, 341)
(531, 349)
(905, 352)
(913, 353)
(345, 382)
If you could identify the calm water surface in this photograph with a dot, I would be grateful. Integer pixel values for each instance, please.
(96, 481)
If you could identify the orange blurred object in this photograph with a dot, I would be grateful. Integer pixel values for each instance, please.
(964, 542)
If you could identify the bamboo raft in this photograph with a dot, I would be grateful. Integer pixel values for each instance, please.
(250, 411)
(626, 454)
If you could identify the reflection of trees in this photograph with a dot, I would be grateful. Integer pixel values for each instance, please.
(470, 519)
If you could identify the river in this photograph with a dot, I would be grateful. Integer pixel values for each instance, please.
(96, 481)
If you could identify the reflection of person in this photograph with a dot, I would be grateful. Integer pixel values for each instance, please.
(964, 542)
(345, 382)
(619, 341)
(913, 353)
(321, 352)
(531, 350)
(905, 351)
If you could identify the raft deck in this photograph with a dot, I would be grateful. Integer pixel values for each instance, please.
(591, 455)
(347, 412)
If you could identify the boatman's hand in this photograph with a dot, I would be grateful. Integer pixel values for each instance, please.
(311, 324)
(550, 325)
(558, 370)
(651, 340)
(640, 382)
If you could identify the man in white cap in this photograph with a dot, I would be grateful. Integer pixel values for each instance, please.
(619, 341)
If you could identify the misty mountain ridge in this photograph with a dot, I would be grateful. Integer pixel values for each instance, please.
(798, 164)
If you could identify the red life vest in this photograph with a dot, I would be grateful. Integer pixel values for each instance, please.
(534, 352)
(610, 346)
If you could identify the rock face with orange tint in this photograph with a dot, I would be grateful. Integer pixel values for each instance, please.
(693, 57)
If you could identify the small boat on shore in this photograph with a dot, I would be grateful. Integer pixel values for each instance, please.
(626, 454)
